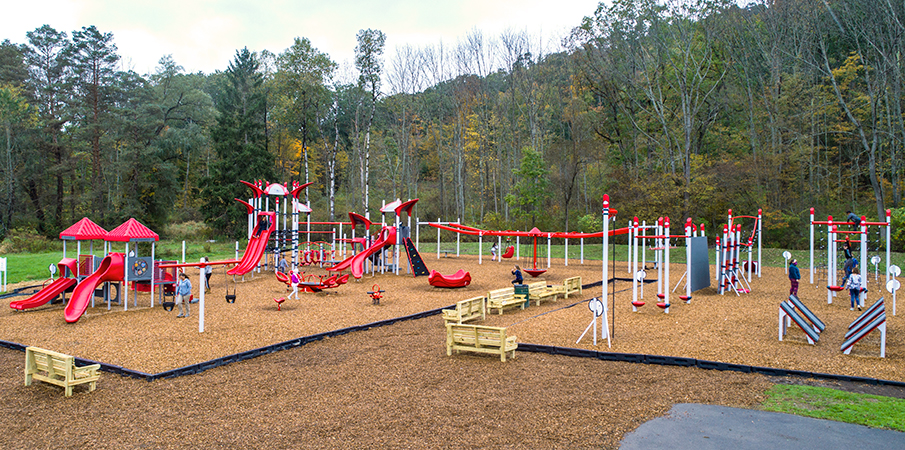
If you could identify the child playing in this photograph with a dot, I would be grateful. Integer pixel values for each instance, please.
(294, 282)
(493, 250)
(854, 288)
(518, 275)
(794, 276)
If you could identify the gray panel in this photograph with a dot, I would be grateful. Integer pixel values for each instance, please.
(700, 264)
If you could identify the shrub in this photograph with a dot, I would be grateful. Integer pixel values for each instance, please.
(27, 240)
(190, 230)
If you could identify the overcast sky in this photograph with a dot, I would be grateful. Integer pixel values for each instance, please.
(203, 35)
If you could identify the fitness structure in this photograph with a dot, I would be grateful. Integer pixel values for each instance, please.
(696, 274)
(834, 236)
(729, 273)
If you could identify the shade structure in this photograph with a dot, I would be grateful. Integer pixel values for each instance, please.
(132, 231)
(83, 230)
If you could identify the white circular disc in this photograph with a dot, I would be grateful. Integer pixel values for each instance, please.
(894, 270)
(53, 269)
(596, 306)
(640, 275)
(786, 255)
(892, 285)
(875, 259)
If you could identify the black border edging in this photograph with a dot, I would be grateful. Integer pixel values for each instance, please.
(638, 358)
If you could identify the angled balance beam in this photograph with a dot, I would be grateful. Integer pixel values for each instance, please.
(787, 313)
(865, 318)
(872, 319)
(816, 323)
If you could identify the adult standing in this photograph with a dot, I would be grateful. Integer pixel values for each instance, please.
(183, 292)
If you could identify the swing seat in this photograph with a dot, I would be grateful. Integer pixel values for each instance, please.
(687, 298)
(168, 306)
(744, 290)
(663, 305)
(835, 288)
(230, 298)
(637, 303)
(279, 302)
(661, 296)
(508, 253)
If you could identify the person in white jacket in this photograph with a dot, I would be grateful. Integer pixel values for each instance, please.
(854, 288)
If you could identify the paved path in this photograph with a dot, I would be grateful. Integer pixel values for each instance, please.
(703, 427)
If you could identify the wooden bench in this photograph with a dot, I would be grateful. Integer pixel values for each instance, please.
(539, 291)
(503, 298)
(571, 286)
(479, 339)
(59, 369)
(467, 310)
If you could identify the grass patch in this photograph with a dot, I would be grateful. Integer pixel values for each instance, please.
(824, 403)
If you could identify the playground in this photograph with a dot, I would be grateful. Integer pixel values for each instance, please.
(377, 386)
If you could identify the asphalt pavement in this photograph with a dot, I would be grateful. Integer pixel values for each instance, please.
(703, 427)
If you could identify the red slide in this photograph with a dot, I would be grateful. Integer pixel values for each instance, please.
(355, 262)
(111, 269)
(44, 295)
(255, 248)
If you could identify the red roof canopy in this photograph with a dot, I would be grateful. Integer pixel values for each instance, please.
(132, 231)
(83, 230)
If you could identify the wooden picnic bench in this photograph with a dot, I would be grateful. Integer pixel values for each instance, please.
(503, 298)
(539, 291)
(479, 339)
(570, 286)
(58, 369)
(467, 310)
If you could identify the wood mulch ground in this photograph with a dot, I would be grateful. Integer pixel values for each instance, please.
(394, 386)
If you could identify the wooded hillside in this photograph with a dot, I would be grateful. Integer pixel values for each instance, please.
(672, 107)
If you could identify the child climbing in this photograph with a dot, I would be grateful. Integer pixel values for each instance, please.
(518, 275)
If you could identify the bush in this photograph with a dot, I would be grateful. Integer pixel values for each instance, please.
(188, 231)
(27, 240)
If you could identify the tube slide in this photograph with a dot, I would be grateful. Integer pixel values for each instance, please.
(111, 269)
(355, 262)
(44, 295)
(255, 248)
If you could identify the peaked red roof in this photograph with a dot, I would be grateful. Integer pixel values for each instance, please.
(83, 230)
(132, 231)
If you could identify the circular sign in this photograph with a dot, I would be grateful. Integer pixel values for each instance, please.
(786, 255)
(53, 269)
(640, 275)
(892, 285)
(894, 270)
(875, 259)
(596, 306)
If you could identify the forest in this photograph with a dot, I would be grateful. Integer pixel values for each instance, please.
(679, 108)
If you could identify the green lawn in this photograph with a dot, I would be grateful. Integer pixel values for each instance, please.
(825, 403)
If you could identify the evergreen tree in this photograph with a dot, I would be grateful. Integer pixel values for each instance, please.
(239, 141)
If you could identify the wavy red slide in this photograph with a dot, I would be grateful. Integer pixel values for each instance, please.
(44, 295)
(111, 269)
(255, 249)
(356, 262)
